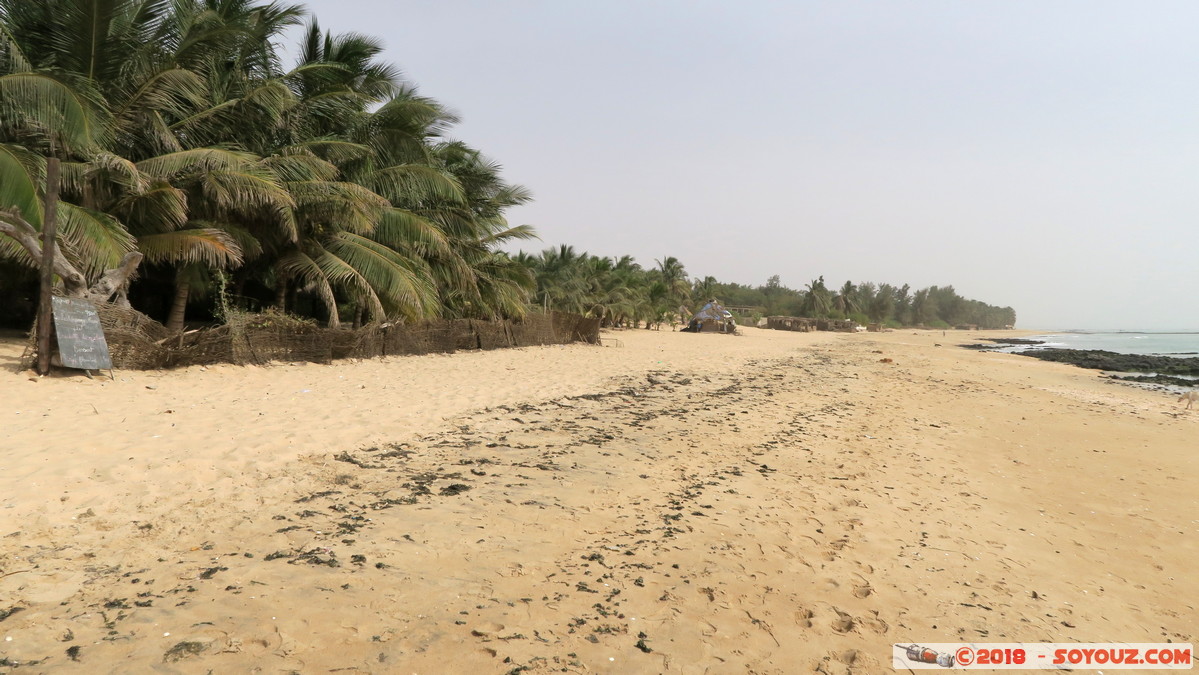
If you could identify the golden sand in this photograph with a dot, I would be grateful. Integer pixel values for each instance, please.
(772, 503)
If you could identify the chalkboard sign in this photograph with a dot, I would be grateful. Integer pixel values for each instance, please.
(81, 341)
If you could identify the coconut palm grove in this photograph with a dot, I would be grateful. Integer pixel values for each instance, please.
(309, 178)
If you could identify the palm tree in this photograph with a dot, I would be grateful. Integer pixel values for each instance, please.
(846, 300)
(677, 290)
(560, 282)
(882, 304)
(110, 62)
(704, 288)
(817, 300)
(924, 307)
(182, 135)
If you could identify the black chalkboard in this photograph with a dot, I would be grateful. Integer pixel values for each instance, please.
(81, 341)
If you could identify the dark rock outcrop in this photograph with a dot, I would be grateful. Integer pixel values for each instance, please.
(1098, 359)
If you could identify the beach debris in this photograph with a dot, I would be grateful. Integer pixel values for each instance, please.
(640, 644)
(886, 360)
(183, 650)
(317, 556)
(350, 459)
(5, 613)
(317, 495)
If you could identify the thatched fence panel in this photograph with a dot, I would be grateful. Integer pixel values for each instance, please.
(136, 342)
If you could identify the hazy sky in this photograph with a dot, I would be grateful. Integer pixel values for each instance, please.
(1039, 154)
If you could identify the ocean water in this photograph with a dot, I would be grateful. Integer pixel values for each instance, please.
(1180, 344)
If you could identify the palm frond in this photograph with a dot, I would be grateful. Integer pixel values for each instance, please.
(300, 167)
(15, 60)
(93, 240)
(51, 104)
(231, 190)
(198, 159)
(332, 150)
(414, 183)
(455, 274)
(160, 208)
(204, 245)
(402, 281)
(271, 96)
(341, 273)
(402, 228)
(153, 137)
(250, 247)
(21, 176)
(510, 234)
(346, 206)
(174, 90)
(298, 265)
(118, 170)
(218, 112)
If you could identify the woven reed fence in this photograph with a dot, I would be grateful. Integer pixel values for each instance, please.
(137, 342)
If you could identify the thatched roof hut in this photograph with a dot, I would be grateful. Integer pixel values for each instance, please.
(712, 318)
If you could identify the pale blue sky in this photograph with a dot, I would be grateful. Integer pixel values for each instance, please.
(1039, 154)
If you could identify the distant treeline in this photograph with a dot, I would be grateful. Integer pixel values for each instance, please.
(621, 291)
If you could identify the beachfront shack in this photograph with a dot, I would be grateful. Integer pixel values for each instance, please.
(793, 323)
(804, 325)
(837, 325)
(713, 318)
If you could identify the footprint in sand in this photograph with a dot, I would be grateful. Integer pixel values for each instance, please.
(487, 629)
(803, 617)
(843, 623)
(874, 624)
(848, 657)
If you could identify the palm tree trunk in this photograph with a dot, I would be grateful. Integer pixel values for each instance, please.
(281, 294)
(178, 307)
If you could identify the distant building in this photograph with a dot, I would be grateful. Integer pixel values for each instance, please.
(803, 324)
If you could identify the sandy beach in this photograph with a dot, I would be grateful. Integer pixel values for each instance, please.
(771, 503)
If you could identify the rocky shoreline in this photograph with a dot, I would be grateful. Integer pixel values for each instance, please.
(1160, 370)
(1098, 359)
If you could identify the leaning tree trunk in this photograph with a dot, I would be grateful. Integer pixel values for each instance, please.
(179, 306)
(112, 282)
